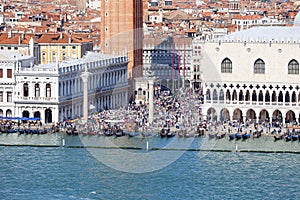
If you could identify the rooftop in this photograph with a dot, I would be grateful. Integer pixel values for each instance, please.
(264, 34)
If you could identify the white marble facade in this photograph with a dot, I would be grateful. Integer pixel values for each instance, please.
(253, 75)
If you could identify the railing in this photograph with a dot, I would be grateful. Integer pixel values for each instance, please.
(20, 98)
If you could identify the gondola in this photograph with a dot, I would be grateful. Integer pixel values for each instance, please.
(237, 136)
(278, 137)
(219, 136)
(295, 137)
(246, 136)
(163, 133)
(231, 136)
(287, 138)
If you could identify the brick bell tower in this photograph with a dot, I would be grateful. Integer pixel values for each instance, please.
(121, 30)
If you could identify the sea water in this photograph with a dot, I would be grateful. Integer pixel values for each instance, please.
(28, 172)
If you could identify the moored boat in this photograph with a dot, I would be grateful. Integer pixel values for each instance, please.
(246, 136)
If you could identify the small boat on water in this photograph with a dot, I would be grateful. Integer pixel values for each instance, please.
(170, 134)
(219, 136)
(231, 136)
(238, 136)
(287, 138)
(278, 137)
(295, 137)
(163, 133)
(246, 136)
(257, 134)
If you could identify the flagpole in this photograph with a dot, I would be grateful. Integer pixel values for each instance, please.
(173, 59)
(178, 63)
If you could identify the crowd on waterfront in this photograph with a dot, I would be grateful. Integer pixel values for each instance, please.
(180, 112)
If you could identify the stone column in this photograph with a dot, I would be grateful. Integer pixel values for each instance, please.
(85, 77)
(151, 82)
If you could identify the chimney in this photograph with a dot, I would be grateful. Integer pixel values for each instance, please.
(61, 35)
(9, 34)
(70, 39)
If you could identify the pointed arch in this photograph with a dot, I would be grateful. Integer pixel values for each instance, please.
(215, 95)
(247, 97)
(267, 96)
(241, 96)
(260, 96)
(293, 67)
(274, 96)
(280, 97)
(254, 96)
(287, 96)
(228, 95)
(234, 95)
(226, 66)
(259, 66)
(221, 95)
(208, 97)
(224, 114)
(237, 114)
(290, 116)
(294, 97)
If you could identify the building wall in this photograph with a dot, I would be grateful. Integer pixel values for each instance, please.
(107, 87)
(7, 89)
(244, 94)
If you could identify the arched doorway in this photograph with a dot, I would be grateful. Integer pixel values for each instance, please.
(277, 116)
(25, 113)
(1, 113)
(224, 115)
(211, 114)
(8, 113)
(264, 116)
(37, 114)
(48, 116)
(251, 115)
(237, 114)
(290, 117)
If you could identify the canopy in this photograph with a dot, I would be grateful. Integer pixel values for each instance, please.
(21, 118)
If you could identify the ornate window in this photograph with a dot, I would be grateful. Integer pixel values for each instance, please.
(259, 66)
(226, 66)
(293, 67)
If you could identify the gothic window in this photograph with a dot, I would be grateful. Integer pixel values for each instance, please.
(226, 66)
(293, 67)
(259, 66)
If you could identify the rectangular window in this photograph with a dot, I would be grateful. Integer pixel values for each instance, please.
(1, 96)
(1, 73)
(9, 73)
(9, 96)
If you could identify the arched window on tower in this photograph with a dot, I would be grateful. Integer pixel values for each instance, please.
(259, 66)
(226, 66)
(293, 67)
